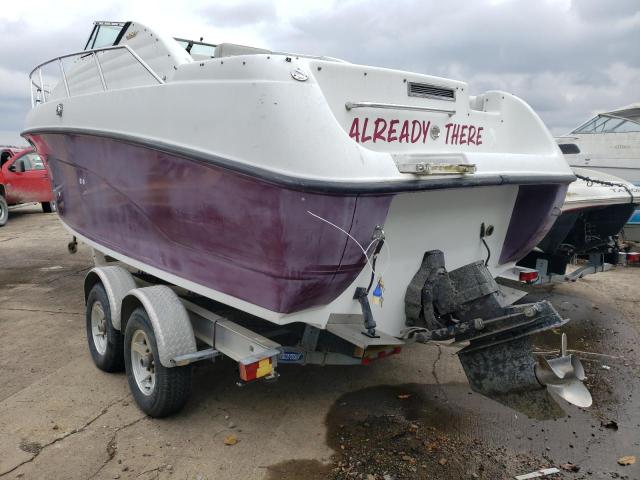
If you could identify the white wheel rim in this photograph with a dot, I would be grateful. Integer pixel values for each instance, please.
(99, 327)
(142, 362)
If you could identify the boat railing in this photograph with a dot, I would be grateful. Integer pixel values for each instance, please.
(42, 95)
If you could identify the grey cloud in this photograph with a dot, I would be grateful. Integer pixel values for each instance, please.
(559, 61)
(515, 36)
(247, 13)
(12, 115)
(23, 47)
(599, 10)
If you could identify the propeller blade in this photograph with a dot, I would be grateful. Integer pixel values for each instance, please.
(573, 392)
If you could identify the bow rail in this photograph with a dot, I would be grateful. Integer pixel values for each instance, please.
(42, 95)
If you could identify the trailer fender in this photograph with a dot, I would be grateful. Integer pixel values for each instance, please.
(117, 281)
(169, 319)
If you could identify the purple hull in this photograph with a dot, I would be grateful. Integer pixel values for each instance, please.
(215, 227)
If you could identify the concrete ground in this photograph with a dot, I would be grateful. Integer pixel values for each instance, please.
(61, 417)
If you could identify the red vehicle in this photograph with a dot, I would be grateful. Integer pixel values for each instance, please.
(23, 179)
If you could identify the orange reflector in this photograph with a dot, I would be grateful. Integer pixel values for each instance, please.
(528, 277)
(255, 370)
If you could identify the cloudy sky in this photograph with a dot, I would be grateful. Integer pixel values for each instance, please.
(567, 58)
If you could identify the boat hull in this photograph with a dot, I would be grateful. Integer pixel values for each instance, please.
(230, 232)
(269, 249)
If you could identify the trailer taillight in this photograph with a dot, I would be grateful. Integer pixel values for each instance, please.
(379, 355)
(255, 370)
(633, 257)
(529, 276)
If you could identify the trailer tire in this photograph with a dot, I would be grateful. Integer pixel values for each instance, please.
(106, 344)
(159, 391)
(4, 211)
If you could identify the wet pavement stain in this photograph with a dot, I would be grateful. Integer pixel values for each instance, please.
(415, 431)
(299, 469)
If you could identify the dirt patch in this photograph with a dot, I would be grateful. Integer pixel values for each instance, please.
(31, 447)
(410, 432)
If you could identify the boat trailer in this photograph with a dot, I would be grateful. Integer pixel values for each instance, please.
(553, 269)
(160, 329)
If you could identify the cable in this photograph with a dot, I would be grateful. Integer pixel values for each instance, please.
(486, 262)
(364, 252)
(380, 243)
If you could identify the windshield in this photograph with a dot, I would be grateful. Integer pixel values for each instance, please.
(105, 34)
(608, 124)
(196, 49)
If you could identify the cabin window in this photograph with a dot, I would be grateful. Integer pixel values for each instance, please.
(608, 124)
(628, 126)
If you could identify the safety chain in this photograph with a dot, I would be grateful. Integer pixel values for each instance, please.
(590, 181)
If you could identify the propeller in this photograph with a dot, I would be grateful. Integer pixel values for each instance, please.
(564, 376)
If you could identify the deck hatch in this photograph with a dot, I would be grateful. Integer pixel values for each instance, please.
(426, 90)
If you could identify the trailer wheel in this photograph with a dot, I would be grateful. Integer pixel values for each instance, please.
(159, 391)
(105, 342)
(4, 211)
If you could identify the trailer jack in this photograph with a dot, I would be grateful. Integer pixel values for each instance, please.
(464, 305)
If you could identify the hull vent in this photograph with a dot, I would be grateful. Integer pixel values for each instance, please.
(430, 91)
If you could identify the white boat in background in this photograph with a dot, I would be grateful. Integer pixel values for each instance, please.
(609, 142)
(595, 189)
(595, 210)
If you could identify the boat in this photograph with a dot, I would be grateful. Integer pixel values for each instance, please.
(595, 210)
(610, 143)
(298, 189)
